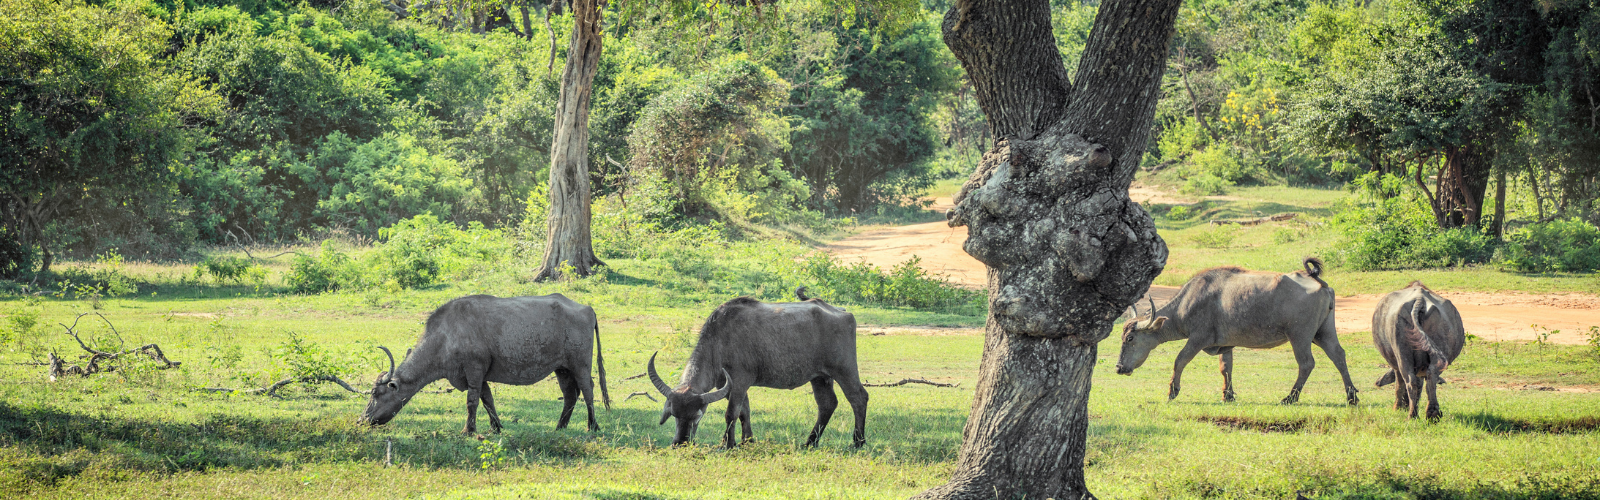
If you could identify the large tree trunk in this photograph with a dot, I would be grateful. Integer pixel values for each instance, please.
(1049, 214)
(569, 240)
(1462, 182)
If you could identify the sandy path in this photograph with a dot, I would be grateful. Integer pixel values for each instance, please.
(1493, 316)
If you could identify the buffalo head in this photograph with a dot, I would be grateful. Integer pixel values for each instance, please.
(1140, 335)
(387, 397)
(684, 404)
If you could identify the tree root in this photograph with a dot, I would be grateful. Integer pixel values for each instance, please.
(58, 367)
(913, 381)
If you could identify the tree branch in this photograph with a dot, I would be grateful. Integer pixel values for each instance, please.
(912, 381)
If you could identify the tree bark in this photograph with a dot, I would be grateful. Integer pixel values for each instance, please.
(1049, 215)
(569, 242)
(1499, 205)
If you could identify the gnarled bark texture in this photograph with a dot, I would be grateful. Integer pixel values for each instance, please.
(1049, 214)
(569, 239)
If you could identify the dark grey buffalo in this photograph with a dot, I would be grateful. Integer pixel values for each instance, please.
(478, 339)
(1419, 333)
(780, 345)
(1226, 307)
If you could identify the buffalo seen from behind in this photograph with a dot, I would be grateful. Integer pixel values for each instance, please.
(478, 339)
(1227, 307)
(784, 345)
(1418, 333)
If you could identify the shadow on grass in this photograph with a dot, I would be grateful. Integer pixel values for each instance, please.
(1489, 422)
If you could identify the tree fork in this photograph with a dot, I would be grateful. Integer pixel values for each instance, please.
(1049, 215)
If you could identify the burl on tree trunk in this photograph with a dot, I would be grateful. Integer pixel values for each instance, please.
(1049, 215)
(569, 241)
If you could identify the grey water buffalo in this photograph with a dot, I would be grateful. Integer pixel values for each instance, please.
(1226, 307)
(1418, 333)
(478, 339)
(784, 345)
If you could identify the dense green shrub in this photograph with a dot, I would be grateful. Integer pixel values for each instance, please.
(325, 272)
(906, 285)
(228, 268)
(1559, 245)
(1400, 233)
(1205, 184)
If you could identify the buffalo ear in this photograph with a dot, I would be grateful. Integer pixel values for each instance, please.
(393, 386)
(1155, 324)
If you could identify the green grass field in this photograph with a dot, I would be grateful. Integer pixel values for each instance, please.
(1515, 426)
(142, 432)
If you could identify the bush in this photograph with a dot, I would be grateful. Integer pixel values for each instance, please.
(226, 268)
(105, 279)
(1216, 237)
(1206, 185)
(1561, 245)
(331, 270)
(1400, 233)
(905, 285)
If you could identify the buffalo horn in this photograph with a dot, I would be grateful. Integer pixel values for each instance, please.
(1152, 306)
(712, 397)
(389, 375)
(656, 379)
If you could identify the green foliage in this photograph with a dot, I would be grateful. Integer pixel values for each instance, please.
(228, 268)
(1206, 184)
(410, 255)
(907, 284)
(328, 271)
(21, 331)
(302, 358)
(1571, 245)
(1400, 233)
(1218, 236)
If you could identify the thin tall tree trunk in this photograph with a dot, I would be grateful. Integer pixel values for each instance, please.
(1499, 205)
(569, 242)
(1049, 215)
(1194, 101)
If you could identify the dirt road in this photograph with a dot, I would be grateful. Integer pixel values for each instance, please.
(1493, 316)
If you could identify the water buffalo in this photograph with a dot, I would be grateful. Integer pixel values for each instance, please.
(1418, 333)
(478, 339)
(780, 345)
(1226, 307)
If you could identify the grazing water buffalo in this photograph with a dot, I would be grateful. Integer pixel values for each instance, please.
(1226, 307)
(478, 339)
(1419, 333)
(780, 345)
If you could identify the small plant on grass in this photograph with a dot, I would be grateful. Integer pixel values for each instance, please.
(1541, 334)
(491, 454)
(1593, 336)
(21, 328)
(1179, 213)
(228, 268)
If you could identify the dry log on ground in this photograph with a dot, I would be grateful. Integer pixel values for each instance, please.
(59, 368)
(1251, 222)
(912, 381)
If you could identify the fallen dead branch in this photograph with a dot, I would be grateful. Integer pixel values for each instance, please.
(912, 381)
(640, 393)
(641, 374)
(59, 368)
(1251, 222)
(272, 390)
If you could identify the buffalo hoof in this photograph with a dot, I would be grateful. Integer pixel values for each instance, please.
(1227, 396)
(1434, 414)
(1292, 398)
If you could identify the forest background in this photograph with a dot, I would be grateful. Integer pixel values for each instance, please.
(152, 129)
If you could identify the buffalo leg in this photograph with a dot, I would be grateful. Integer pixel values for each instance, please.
(586, 386)
(856, 394)
(1434, 413)
(1302, 356)
(1413, 391)
(1190, 349)
(822, 390)
(737, 402)
(474, 393)
(1225, 362)
(569, 396)
(1328, 339)
(488, 407)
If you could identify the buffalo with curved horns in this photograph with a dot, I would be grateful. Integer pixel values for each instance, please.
(783, 345)
(478, 339)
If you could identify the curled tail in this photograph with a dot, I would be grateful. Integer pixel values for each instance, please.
(1314, 269)
(1421, 340)
(800, 293)
(600, 364)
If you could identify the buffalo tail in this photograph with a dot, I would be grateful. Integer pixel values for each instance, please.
(600, 365)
